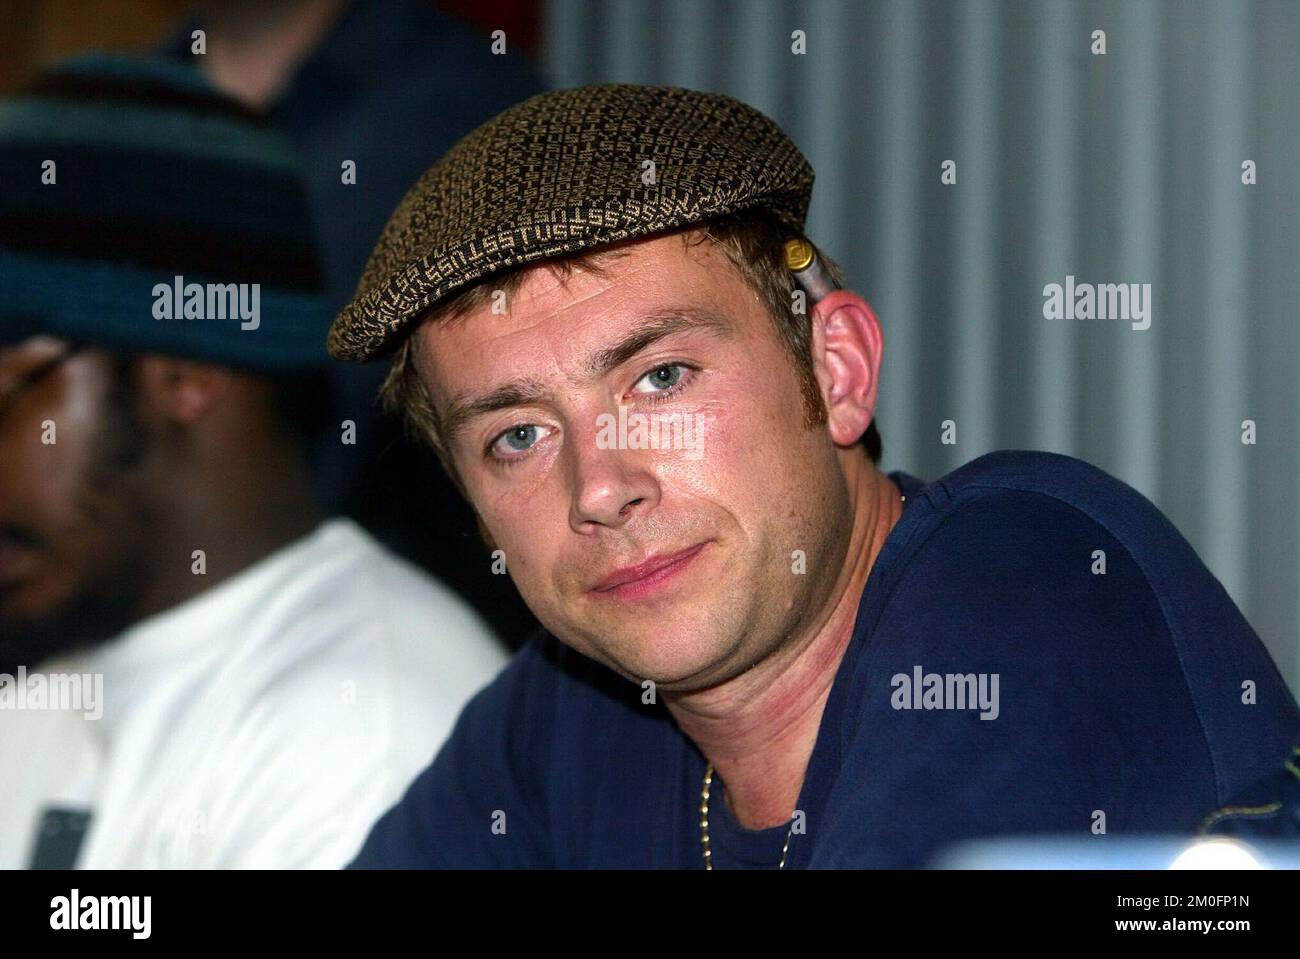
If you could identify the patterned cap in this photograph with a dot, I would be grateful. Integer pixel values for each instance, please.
(563, 172)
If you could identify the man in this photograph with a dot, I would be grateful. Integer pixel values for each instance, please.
(195, 669)
(764, 651)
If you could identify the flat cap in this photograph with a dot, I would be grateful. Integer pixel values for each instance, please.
(563, 172)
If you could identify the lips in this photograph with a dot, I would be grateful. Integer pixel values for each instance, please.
(633, 581)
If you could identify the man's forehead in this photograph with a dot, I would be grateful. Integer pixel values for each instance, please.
(668, 263)
(565, 314)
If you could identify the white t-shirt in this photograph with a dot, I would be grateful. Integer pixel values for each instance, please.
(267, 722)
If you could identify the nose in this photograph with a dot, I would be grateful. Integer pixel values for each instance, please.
(610, 487)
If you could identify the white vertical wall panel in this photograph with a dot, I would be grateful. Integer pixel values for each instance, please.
(1117, 168)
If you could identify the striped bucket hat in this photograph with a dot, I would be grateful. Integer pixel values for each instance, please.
(145, 212)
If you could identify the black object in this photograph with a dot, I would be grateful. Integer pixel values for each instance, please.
(58, 843)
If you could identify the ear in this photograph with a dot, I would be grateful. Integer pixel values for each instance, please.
(847, 345)
(179, 391)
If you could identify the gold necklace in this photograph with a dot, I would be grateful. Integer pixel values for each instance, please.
(704, 816)
(704, 824)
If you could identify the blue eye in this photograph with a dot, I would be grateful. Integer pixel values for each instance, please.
(517, 439)
(662, 378)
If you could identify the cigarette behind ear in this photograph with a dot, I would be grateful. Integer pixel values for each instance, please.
(802, 260)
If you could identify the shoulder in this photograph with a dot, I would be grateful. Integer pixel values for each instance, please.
(1113, 645)
(509, 752)
(1034, 480)
(1035, 517)
(349, 675)
(355, 581)
(1051, 575)
(354, 657)
(1048, 543)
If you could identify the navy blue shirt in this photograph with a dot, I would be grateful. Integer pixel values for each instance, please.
(1136, 699)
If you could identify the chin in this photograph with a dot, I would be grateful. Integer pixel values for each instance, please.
(28, 636)
(673, 656)
(677, 641)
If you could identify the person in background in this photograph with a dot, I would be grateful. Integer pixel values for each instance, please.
(196, 668)
(367, 91)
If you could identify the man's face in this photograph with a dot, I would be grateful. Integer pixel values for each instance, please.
(66, 529)
(677, 565)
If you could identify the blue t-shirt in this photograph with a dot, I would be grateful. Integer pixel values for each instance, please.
(1136, 699)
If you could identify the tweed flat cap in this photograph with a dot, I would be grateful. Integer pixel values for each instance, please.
(563, 172)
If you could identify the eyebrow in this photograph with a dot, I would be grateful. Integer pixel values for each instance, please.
(653, 327)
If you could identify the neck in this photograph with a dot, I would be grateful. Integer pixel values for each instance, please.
(237, 509)
(253, 52)
(759, 729)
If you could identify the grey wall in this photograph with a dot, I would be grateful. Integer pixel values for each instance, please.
(1117, 168)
